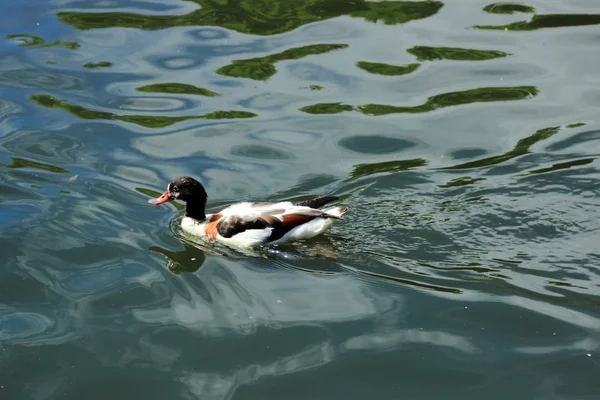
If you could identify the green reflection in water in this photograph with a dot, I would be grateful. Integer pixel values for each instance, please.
(327, 108)
(565, 165)
(387, 69)
(148, 121)
(66, 45)
(176, 88)
(267, 17)
(463, 180)
(154, 194)
(28, 40)
(316, 87)
(361, 170)
(548, 21)
(228, 115)
(523, 147)
(575, 125)
(16, 162)
(426, 53)
(565, 284)
(101, 64)
(262, 68)
(508, 8)
(479, 95)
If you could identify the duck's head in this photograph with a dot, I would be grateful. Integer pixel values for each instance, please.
(184, 188)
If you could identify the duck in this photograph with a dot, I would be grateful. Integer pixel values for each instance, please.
(248, 225)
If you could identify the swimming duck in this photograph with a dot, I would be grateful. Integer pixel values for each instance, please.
(250, 224)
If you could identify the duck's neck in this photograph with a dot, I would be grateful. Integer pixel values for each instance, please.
(196, 209)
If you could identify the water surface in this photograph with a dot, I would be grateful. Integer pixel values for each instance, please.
(464, 137)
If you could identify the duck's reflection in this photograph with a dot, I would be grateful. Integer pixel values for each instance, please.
(190, 259)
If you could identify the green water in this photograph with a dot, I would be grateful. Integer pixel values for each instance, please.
(464, 137)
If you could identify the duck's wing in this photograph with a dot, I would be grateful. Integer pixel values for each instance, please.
(274, 217)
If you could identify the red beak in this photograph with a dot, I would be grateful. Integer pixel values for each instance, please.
(164, 198)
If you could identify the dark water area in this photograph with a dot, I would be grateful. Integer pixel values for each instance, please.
(464, 137)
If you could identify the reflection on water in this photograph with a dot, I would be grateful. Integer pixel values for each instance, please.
(425, 53)
(100, 64)
(565, 165)
(470, 246)
(262, 68)
(176, 88)
(387, 69)
(547, 21)
(480, 95)
(463, 180)
(148, 121)
(361, 170)
(16, 162)
(508, 8)
(28, 40)
(188, 260)
(327, 108)
(275, 16)
(25, 39)
(522, 147)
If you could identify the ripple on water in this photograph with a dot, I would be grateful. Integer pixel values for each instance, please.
(178, 63)
(269, 101)
(209, 34)
(31, 78)
(8, 108)
(103, 278)
(260, 152)
(375, 144)
(488, 265)
(23, 325)
(153, 103)
(244, 294)
(48, 146)
(8, 122)
(307, 72)
(579, 141)
(287, 136)
(468, 153)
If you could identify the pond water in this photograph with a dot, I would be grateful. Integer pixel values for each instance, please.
(464, 137)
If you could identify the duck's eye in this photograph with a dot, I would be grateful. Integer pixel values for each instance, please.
(175, 189)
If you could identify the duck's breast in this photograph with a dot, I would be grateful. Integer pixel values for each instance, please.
(193, 226)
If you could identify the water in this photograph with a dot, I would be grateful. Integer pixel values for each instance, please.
(464, 139)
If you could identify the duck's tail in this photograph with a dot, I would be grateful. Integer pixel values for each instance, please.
(318, 202)
(336, 212)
